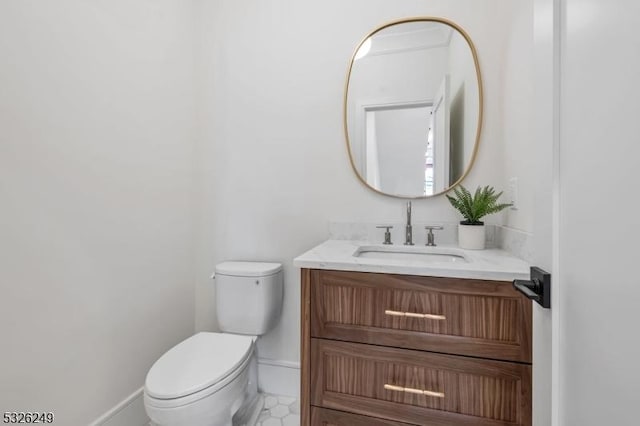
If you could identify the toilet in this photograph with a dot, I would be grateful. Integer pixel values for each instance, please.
(211, 379)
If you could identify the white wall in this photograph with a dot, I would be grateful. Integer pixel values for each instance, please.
(521, 147)
(528, 140)
(96, 153)
(274, 163)
(598, 232)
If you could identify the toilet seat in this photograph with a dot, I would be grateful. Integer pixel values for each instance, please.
(197, 367)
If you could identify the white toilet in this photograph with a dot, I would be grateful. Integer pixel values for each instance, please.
(211, 379)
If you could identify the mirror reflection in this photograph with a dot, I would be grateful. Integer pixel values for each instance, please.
(413, 108)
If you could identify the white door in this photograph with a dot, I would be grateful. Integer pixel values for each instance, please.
(441, 113)
(598, 228)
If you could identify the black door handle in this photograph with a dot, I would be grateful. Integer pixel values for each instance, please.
(538, 288)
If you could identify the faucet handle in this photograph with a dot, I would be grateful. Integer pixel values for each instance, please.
(387, 234)
(430, 237)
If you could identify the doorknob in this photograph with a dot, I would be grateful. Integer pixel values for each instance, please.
(538, 288)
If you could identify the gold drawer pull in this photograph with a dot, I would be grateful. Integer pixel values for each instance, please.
(414, 315)
(412, 390)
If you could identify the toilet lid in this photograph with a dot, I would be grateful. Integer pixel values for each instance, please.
(200, 361)
(248, 269)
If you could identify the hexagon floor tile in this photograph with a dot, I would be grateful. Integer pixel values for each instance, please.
(279, 411)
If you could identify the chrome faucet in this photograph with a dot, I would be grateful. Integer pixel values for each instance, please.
(387, 234)
(431, 241)
(408, 241)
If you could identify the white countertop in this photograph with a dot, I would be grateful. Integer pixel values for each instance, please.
(489, 264)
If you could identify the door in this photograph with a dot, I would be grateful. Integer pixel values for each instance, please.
(395, 145)
(596, 232)
(440, 130)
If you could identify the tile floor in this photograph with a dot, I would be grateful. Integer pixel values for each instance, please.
(279, 411)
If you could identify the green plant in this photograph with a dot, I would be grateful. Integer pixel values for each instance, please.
(483, 202)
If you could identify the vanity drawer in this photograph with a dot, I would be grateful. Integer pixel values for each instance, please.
(488, 319)
(419, 388)
(324, 417)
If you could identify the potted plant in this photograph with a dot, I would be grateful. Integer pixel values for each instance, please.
(471, 234)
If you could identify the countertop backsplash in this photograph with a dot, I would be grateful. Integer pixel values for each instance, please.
(515, 241)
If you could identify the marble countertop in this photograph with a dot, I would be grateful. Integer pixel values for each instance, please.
(489, 264)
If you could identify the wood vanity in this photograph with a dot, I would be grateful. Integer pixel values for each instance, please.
(384, 349)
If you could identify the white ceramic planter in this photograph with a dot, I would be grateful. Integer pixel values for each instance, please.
(471, 237)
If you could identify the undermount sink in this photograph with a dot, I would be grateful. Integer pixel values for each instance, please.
(419, 254)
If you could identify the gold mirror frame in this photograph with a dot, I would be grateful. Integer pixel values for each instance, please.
(474, 53)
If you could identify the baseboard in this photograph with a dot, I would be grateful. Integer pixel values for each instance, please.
(279, 377)
(129, 412)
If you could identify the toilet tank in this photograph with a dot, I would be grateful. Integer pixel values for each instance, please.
(248, 296)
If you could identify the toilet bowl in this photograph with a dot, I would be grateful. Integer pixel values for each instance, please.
(210, 379)
(184, 387)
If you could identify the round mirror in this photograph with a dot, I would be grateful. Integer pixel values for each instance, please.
(413, 107)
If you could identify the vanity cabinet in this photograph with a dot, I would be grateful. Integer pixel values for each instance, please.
(384, 349)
